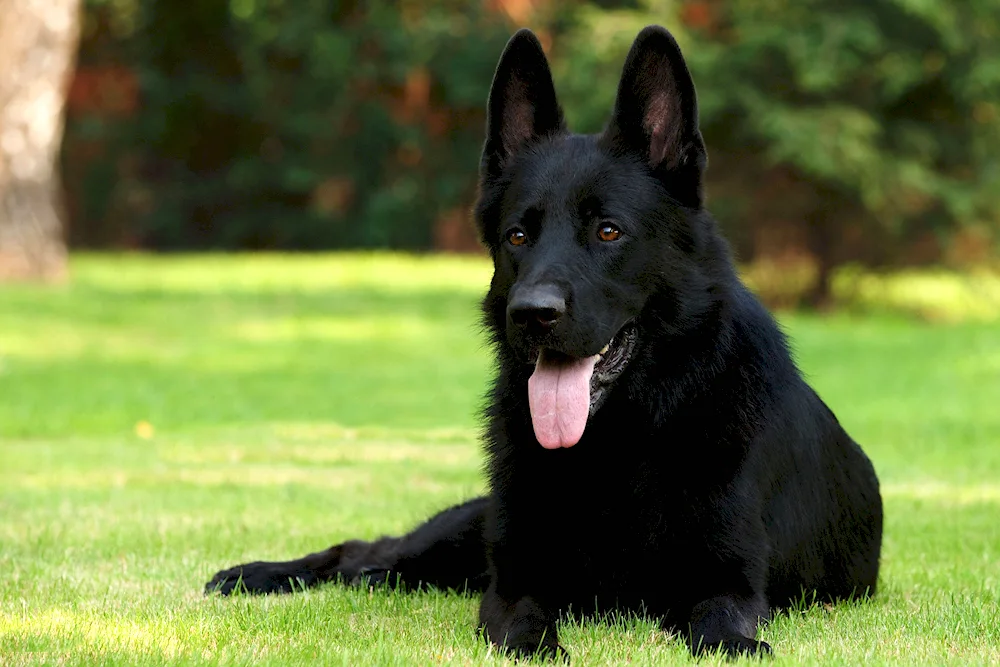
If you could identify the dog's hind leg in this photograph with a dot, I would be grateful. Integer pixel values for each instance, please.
(447, 551)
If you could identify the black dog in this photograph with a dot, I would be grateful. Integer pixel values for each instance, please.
(651, 445)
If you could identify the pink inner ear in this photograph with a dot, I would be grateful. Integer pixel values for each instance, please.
(518, 123)
(663, 130)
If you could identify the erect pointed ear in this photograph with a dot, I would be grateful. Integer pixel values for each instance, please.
(656, 114)
(522, 107)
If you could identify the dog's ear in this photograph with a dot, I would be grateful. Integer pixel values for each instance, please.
(656, 114)
(522, 107)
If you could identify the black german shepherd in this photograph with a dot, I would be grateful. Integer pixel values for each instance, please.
(651, 444)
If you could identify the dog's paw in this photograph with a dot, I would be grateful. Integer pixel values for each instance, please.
(257, 579)
(736, 647)
(548, 652)
(535, 646)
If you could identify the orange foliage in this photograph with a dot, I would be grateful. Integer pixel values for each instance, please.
(109, 89)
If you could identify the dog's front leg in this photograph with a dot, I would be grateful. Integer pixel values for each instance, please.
(728, 623)
(520, 624)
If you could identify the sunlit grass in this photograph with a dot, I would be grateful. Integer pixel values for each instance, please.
(266, 273)
(163, 417)
(930, 294)
(934, 295)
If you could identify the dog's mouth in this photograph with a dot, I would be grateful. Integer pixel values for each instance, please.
(564, 391)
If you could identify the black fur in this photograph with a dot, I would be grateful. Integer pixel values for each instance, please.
(711, 484)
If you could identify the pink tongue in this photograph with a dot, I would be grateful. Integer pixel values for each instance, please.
(559, 397)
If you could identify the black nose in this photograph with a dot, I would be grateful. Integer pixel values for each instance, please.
(537, 307)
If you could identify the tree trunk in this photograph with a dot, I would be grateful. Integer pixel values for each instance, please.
(824, 226)
(38, 41)
(820, 295)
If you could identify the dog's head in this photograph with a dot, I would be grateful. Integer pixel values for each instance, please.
(585, 230)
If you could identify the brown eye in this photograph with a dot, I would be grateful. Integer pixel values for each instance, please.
(609, 233)
(517, 237)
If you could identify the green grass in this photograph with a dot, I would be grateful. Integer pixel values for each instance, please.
(161, 418)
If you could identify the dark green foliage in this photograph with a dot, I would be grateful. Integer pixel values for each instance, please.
(849, 130)
(270, 123)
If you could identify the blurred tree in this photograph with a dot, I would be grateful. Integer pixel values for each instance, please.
(838, 130)
(309, 125)
(37, 48)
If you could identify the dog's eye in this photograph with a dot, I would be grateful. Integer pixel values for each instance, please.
(608, 232)
(517, 237)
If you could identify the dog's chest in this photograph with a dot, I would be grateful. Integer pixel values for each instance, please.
(616, 558)
(616, 531)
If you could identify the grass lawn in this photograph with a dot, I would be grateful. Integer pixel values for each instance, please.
(161, 418)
